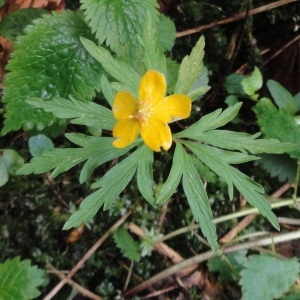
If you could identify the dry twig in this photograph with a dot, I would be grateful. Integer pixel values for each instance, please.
(236, 17)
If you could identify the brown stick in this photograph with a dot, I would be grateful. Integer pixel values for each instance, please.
(86, 257)
(272, 239)
(164, 250)
(295, 39)
(236, 17)
(248, 219)
(78, 287)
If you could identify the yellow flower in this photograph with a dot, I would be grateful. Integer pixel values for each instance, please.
(150, 115)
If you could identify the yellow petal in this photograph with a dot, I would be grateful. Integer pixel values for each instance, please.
(173, 108)
(152, 87)
(124, 106)
(126, 131)
(157, 135)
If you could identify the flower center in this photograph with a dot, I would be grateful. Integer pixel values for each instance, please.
(143, 113)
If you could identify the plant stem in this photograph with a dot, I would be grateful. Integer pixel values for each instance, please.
(296, 181)
(209, 254)
(245, 212)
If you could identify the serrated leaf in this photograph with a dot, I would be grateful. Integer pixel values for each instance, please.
(13, 24)
(81, 112)
(19, 280)
(154, 57)
(118, 22)
(166, 33)
(145, 175)
(252, 83)
(211, 121)
(110, 186)
(228, 266)
(126, 244)
(282, 97)
(267, 277)
(38, 144)
(190, 68)
(277, 124)
(249, 189)
(174, 177)
(115, 67)
(281, 166)
(198, 199)
(48, 61)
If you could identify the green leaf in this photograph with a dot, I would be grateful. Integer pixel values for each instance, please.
(249, 189)
(281, 166)
(210, 121)
(48, 61)
(107, 90)
(153, 55)
(116, 68)
(118, 22)
(277, 124)
(3, 174)
(252, 83)
(198, 199)
(244, 85)
(233, 84)
(243, 142)
(38, 144)
(127, 245)
(228, 265)
(145, 175)
(297, 101)
(14, 23)
(190, 68)
(267, 277)
(19, 280)
(200, 86)
(173, 69)
(95, 151)
(174, 177)
(166, 33)
(81, 112)
(110, 186)
(282, 97)
(10, 162)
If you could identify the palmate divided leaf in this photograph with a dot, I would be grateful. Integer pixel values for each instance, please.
(81, 112)
(109, 187)
(220, 160)
(140, 105)
(95, 151)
